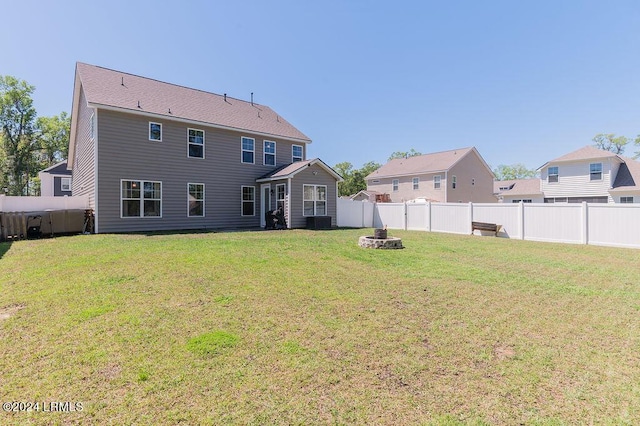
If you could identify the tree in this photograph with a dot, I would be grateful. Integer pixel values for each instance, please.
(609, 142)
(17, 116)
(53, 138)
(400, 154)
(354, 181)
(514, 171)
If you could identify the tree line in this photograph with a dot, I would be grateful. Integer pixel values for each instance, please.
(28, 143)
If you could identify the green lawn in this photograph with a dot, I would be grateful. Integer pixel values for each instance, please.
(303, 327)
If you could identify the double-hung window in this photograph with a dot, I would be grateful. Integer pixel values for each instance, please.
(395, 184)
(248, 150)
(248, 201)
(280, 195)
(454, 182)
(416, 183)
(315, 200)
(65, 184)
(552, 174)
(296, 153)
(141, 198)
(269, 153)
(626, 200)
(595, 171)
(436, 181)
(195, 199)
(195, 143)
(155, 131)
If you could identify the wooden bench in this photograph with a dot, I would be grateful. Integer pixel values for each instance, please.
(483, 226)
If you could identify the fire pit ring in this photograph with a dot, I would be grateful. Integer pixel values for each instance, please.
(380, 243)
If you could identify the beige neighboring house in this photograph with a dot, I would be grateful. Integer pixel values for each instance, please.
(371, 196)
(592, 175)
(518, 190)
(460, 175)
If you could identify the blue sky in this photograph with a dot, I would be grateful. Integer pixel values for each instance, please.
(522, 81)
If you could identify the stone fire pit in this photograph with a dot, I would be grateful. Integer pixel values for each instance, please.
(380, 243)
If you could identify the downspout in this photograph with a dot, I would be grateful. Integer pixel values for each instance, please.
(95, 173)
(289, 217)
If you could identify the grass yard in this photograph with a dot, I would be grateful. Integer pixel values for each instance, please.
(304, 327)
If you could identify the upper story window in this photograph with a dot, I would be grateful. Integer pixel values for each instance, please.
(595, 171)
(473, 182)
(416, 183)
(552, 174)
(436, 181)
(65, 184)
(248, 150)
(269, 153)
(296, 153)
(155, 131)
(195, 199)
(195, 143)
(454, 182)
(626, 200)
(141, 199)
(394, 184)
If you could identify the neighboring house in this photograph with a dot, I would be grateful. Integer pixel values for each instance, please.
(592, 175)
(157, 156)
(371, 196)
(515, 191)
(55, 181)
(459, 175)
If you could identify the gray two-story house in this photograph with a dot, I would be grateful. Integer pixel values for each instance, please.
(157, 156)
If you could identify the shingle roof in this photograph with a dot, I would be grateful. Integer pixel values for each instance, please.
(58, 169)
(428, 163)
(290, 170)
(115, 89)
(628, 177)
(585, 153)
(518, 187)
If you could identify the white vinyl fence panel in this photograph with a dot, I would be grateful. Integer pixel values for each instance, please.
(34, 204)
(391, 215)
(355, 214)
(418, 217)
(614, 225)
(507, 215)
(451, 218)
(554, 223)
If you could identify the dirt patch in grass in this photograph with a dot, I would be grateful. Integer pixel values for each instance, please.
(7, 312)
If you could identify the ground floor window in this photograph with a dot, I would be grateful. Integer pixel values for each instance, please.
(315, 200)
(576, 200)
(141, 198)
(65, 184)
(280, 195)
(248, 201)
(523, 201)
(626, 200)
(195, 197)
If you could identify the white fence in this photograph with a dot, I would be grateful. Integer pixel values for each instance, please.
(598, 224)
(35, 204)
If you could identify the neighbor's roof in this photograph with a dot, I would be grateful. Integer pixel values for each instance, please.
(585, 153)
(58, 169)
(420, 164)
(104, 87)
(517, 187)
(628, 177)
(290, 170)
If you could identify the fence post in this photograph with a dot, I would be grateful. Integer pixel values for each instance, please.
(470, 218)
(428, 216)
(585, 223)
(404, 211)
(521, 219)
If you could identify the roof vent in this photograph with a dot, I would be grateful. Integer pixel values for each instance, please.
(225, 97)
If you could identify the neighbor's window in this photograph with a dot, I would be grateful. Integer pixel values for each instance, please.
(394, 184)
(248, 201)
(269, 153)
(195, 143)
(296, 153)
(454, 182)
(552, 174)
(626, 200)
(315, 200)
(416, 183)
(473, 182)
(436, 182)
(141, 199)
(195, 199)
(248, 147)
(155, 131)
(65, 184)
(595, 170)
(280, 195)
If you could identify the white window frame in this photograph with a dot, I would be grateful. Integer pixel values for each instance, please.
(68, 184)
(141, 199)
(556, 174)
(243, 150)
(591, 172)
(195, 199)
(395, 185)
(265, 153)
(454, 182)
(243, 201)
(189, 143)
(294, 157)
(316, 200)
(151, 123)
(626, 200)
(281, 195)
(437, 181)
(416, 183)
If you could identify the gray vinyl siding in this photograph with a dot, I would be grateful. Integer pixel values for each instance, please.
(57, 187)
(306, 177)
(84, 178)
(125, 152)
